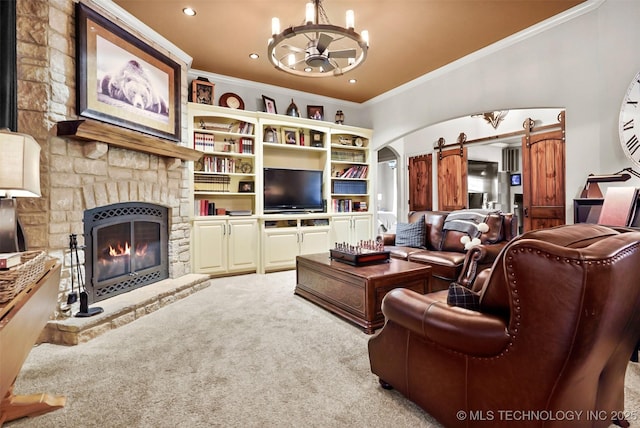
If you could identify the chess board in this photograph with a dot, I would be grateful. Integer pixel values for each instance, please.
(361, 258)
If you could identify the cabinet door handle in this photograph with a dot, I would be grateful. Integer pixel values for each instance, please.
(229, 229)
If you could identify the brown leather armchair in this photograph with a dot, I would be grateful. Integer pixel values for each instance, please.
(559, 317)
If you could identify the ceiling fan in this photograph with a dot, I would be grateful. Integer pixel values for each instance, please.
(317, 54)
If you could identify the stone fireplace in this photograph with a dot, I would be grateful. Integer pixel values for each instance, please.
(79, 176)
(115, 197)
(126, 248)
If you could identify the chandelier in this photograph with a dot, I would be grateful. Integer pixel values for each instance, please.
(317, 48)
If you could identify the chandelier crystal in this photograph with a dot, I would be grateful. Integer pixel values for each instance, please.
(317, 48)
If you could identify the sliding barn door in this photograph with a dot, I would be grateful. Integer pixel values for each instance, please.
(543, 171)
(452, 179)
(420, 195)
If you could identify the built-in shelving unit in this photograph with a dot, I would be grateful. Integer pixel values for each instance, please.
(228, 180)
(224, 177)
(350, 168)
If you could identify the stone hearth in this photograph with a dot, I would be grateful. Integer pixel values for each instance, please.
(122, 309)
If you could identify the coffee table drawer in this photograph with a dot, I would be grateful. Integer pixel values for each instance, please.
(334, 288)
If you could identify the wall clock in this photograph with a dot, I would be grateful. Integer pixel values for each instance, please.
(231, 100)
(629, 123)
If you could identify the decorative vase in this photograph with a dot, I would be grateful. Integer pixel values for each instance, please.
(292, 110)
(339, 117)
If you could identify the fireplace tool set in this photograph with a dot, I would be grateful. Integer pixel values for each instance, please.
(85, 311)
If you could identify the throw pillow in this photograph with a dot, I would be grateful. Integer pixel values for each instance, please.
(410, 234)
(462, 297)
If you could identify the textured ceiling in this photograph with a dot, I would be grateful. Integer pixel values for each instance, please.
(408, 38)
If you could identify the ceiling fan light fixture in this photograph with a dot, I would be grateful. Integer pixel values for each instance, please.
(350, 20)
(323, 48)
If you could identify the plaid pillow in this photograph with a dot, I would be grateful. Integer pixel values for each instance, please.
(462, 297)
(410, 234)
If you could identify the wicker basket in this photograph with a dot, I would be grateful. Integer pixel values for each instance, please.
(14, 280)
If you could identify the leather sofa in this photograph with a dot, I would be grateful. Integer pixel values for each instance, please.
(548, 346)
(443, 250)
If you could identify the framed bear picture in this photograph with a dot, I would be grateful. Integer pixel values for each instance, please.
(123, 81)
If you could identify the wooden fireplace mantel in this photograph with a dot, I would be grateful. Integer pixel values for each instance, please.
(91, 130)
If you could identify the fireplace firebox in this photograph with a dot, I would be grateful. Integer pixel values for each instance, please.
(126, 248)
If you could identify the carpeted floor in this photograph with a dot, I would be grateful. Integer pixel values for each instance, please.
(244, 352)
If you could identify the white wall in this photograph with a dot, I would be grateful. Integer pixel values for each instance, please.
(583, 65)
(251, 93)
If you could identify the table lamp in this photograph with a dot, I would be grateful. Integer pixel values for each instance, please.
(19, 177)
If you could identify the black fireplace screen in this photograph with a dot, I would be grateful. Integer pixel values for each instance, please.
(126, 248)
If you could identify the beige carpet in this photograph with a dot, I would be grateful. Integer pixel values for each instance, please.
(244, 352)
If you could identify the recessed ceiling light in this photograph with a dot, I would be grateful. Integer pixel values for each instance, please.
(308, 69)
(189, 11)
(352, 80)
(254, 55)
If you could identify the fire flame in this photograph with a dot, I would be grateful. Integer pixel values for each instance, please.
(126, 250)
(119, 250)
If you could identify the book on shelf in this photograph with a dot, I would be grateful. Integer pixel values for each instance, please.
(203, 207)
(9, 260)
(246, 145)
(204, 142)
(222, 164)
(342, 205)
(245, 128)
(211, 183)
(356, 171)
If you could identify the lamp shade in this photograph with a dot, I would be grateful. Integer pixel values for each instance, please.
(19, 165)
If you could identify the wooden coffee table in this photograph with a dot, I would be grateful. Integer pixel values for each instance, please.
(355, 292)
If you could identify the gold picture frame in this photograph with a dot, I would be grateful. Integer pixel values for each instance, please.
(290, 136)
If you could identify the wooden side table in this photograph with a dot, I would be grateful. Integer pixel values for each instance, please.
(21, 322)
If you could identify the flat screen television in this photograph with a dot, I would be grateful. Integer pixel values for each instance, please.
(516, 179)
(292, 190)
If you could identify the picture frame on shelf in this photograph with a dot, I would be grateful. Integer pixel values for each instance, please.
(290, 136)
(269, 105)
(202, 91)
(316, 137)
(245, 187)
(105, 54)
(315, 112)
